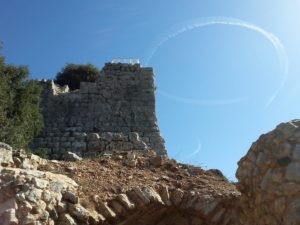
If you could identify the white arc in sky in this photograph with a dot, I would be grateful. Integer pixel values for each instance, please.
(209, 21)
(196, 152)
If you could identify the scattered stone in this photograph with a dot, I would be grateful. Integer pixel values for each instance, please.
(5, 155)
(123, 198)
(79, 212)
(34, 195)
(66, 219)
(71, 197)
(39, 183)
(156, 161)
(70, 156)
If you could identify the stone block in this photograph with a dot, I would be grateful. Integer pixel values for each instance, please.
(5, 155)
(93, 145)
(93, 137)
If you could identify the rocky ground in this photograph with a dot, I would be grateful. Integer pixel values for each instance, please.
(122, 188)
(128, 188)
(108, 176)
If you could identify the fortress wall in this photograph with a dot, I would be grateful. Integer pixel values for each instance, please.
(115, 113)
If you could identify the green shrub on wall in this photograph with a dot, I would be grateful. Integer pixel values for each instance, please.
(20, 116)
(73, 74)
(42, 152)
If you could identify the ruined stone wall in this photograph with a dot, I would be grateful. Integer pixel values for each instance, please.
(269, 178)
(268, 190)
(115, 113)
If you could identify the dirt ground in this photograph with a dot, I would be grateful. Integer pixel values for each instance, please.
(107, 176)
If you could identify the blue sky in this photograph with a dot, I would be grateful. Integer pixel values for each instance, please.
(202, 65)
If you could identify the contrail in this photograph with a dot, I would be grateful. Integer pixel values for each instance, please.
(209, 21)
(194, 153)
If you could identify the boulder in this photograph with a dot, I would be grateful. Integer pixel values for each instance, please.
(6, 158)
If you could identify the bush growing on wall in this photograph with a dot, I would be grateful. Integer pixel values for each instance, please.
(20, 116)
(73, 74)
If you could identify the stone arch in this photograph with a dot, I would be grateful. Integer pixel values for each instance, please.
(164, 206)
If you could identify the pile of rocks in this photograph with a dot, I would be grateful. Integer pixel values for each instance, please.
(31, 196)
(268, 181)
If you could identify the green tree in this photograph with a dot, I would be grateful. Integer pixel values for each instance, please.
(20, 116)
(73, 74)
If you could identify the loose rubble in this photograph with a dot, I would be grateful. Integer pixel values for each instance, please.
(143, 188)
(53, 192)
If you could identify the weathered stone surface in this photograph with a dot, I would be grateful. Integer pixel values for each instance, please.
(270, 185)
(66, 219)
(71, 197)
(164, 191)
(115, 113)
(40, 183)
(5, 146)
(9, 217)
(34, 195)
(78, 212)
(5, 154)
(268, 180)
(151, 194)
(70, 156)
(176, 196)
(106, 210)
(123, 198)
(156, 161)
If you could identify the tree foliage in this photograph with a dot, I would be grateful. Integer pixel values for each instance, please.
(73, 74)
(20, 116)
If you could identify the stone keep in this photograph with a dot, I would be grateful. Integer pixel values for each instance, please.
(116, 113)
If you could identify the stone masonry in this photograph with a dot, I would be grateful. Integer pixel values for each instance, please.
(267, 191)
(117, 112)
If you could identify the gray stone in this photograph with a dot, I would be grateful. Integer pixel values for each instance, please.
(39, 183)
(293, 172)
(46, 196)
(296, 152)
(70, 156)
(93, 137)
(79, 212)
(34, 173)
(5, 146)
(34, 195)
(123, 198)
(56, 186)
(5, 155)
(105, 210)
(44, 215)
(142, 196)
(151, 194)
(20, 196)
(66, 219)
(71, 197)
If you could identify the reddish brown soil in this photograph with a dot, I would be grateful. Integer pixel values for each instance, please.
(109, 176)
